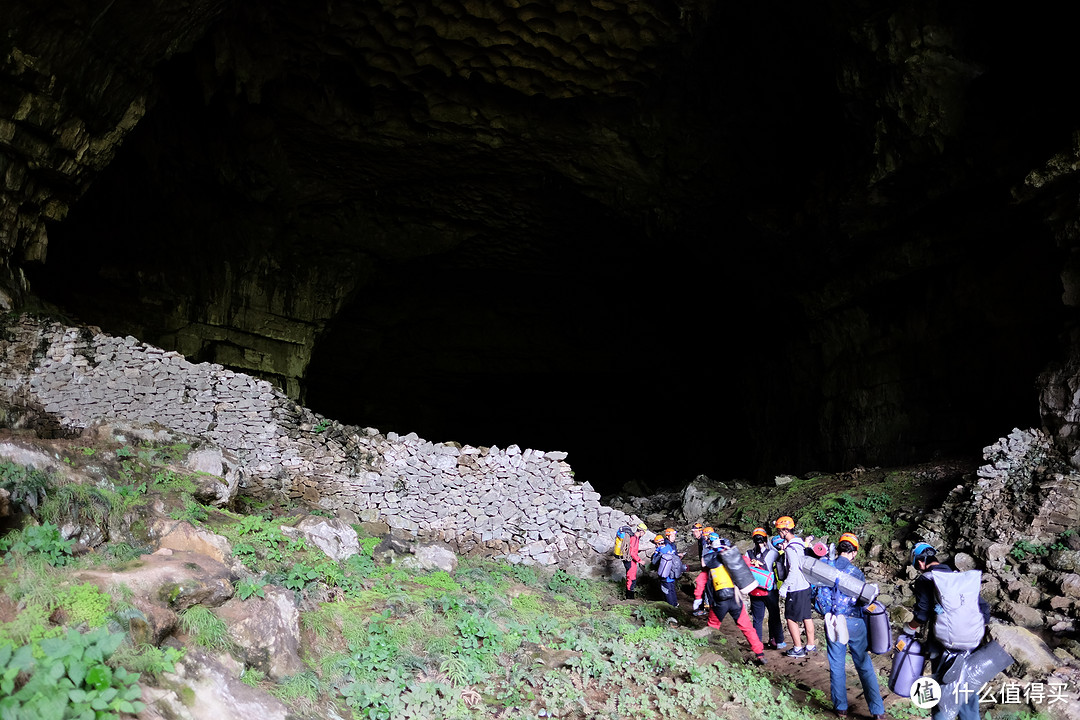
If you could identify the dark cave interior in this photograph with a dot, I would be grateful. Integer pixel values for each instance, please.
(771, 312)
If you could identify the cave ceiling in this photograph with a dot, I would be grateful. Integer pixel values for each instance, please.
(753, 238)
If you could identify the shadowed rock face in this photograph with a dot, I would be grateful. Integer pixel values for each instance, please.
(761, 239)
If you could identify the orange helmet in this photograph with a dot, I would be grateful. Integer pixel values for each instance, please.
(849, 537)
(785, 523)
(698, 526)
(706, 531)
(658, 539)
(669, 532)
(759, 531)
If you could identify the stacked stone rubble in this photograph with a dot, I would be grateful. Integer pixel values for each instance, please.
(523, 504)
(1025, 496)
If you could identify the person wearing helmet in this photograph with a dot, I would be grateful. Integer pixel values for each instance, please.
(666, 544)
(764, 556)
(632, 560)
(846, 632)
(726, 599)
(797, 605)
(701, 535)
(924, 559)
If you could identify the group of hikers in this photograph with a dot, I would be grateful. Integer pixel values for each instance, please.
(777, 567)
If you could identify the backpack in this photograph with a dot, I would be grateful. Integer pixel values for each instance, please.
(622, 541)
(959, 623)
(671, 566)
(831, 600)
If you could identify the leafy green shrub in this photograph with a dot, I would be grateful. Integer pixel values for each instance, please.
(85, 604)
(250, 587)
(67, 678)
(148, 660)
(29, 487)
(299, 575)
(43, 540)
(1024, 548)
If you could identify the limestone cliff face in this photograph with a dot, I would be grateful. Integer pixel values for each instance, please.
(450, 214)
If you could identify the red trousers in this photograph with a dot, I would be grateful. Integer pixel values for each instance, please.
(631, 574)
(742, 621)
(699, 584)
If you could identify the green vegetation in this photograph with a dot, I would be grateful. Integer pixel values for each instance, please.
(380, 641)
(1023, 549)
(67, 677)
(205, 628)
(43, 540)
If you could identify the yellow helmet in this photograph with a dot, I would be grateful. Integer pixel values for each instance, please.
(785, 523)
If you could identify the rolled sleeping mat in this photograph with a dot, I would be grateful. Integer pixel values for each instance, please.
(820, 572)
(907, 666)
(979, 667)
(738, 569)
(878, 628)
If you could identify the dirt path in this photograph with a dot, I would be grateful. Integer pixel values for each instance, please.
(807, 678)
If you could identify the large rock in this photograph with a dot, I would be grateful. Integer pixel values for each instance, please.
(334, 537)
(703, 498)
(1031, 654)
(216, 475)
(217, 692)
(173, 579)
(266, 631)
(1024, 615)
(183, 536)
(1065, 560)
(436, 557)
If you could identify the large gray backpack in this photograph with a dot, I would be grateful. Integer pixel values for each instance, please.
(958, 624)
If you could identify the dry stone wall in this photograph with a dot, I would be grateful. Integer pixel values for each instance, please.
(523, 504)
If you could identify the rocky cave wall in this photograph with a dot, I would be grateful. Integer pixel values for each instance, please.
(394, 208)
(520, 504)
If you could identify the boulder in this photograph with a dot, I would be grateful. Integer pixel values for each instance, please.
(704, 498)
(216, 692)
(172, 579)
(1024, 615)
(1031, 654)
(1065, 560)
(1070, 585)
(183, 536)
(436, 557)
(336, 538)
(266, 631)
(216, 475)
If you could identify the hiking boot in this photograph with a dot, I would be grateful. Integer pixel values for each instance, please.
(630, 594)
(761, 659)
(796, 652)
(780, 646)
(843, 714)
(811, 648)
